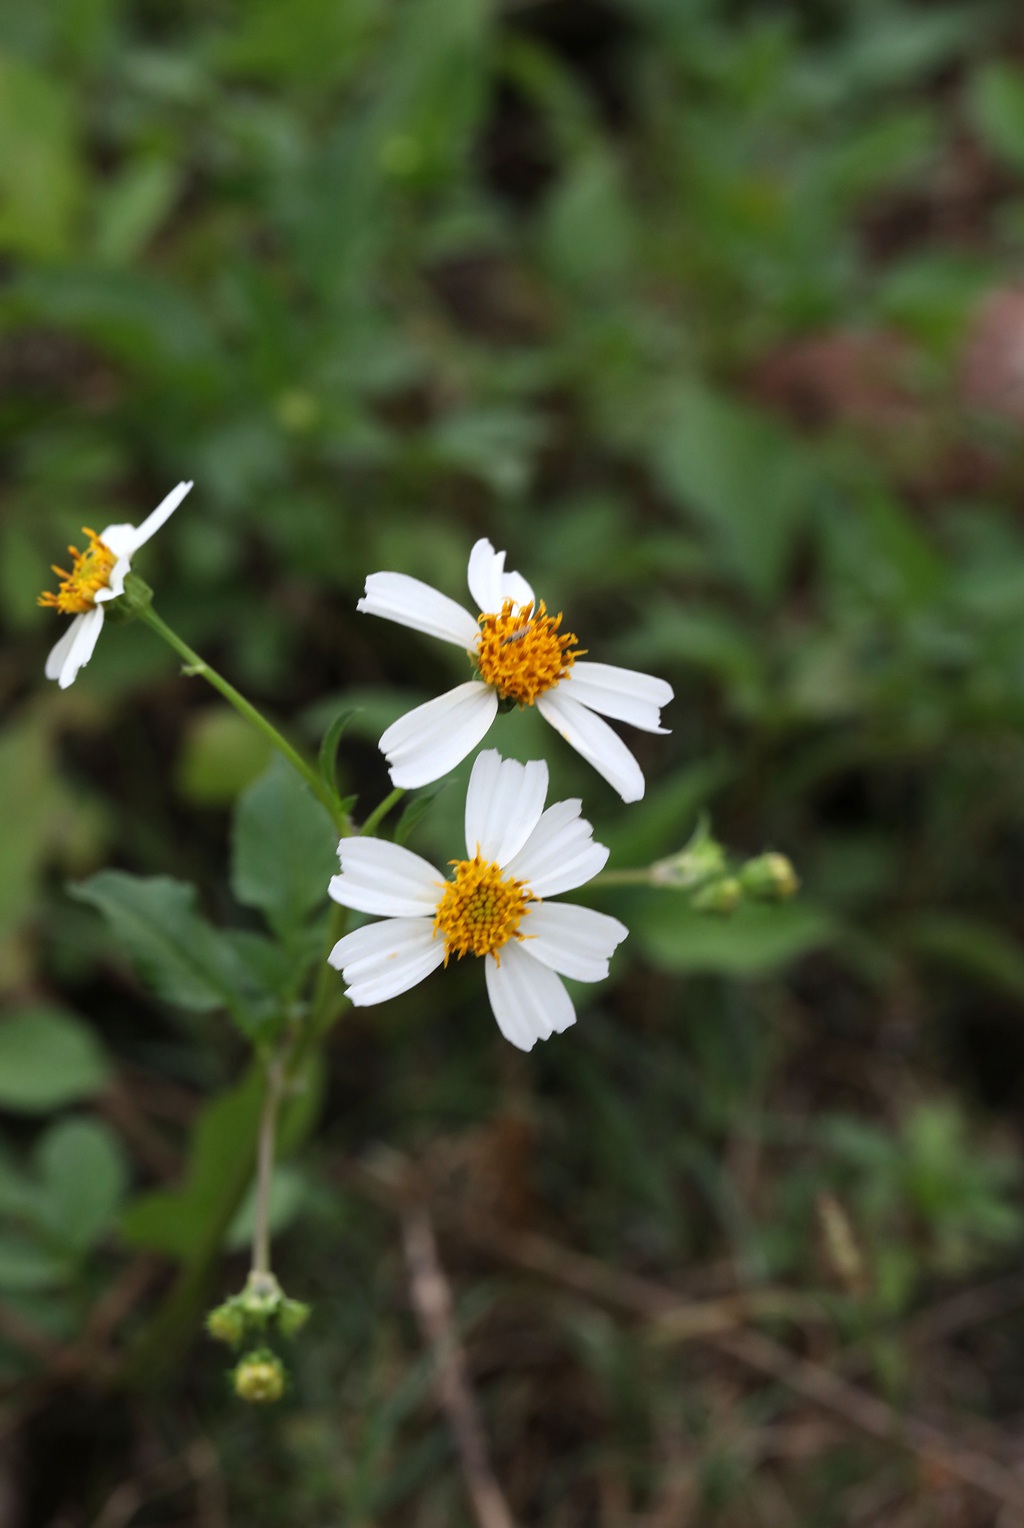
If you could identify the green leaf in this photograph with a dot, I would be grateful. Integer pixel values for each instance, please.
(222, 1157)
(972, 946)
(130, 210)
(47, 1059)
(329, 747)
(221, 757)
(25, 1265)
(416, 810)
(997, 105)
(40, 172)
(176, 950)
(83, 1175)
(287, 1190)
(742, 475)
(750, 942)
(223, 1149)
(283, 850)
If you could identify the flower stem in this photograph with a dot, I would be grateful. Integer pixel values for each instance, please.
(265, 1167)
(380, 812)
(623, 878)
(194, 664)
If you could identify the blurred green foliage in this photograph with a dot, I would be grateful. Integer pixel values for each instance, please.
(706, 310)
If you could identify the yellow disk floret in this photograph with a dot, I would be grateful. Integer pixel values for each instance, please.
(90, 572)
(480, 909)
(521, 654)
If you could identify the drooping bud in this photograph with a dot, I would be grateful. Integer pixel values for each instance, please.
(292, 1317)
(261, 1299)
(259, 1377)
(769, 878)
(703, 859)
(722, 896)
(227, 1323)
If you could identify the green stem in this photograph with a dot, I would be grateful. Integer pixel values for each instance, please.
(623, 878)
(380, 812)
(265, 1167)
(194, 664)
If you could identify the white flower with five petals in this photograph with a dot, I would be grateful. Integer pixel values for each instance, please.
(493, 905)
(522, 659)
(97, 576)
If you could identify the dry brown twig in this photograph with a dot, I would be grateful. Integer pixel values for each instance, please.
(718, 1323)
(432, 1302)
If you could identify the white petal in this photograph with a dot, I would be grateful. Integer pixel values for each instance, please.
(595, 740)
(115, 583)
(490, 585)
(58, 653)
(529, 1001)
(620, 693)
(123, 540)
(384, 959)
(87, 630)
(560, 854)
(410, 602)
(577, 941)
(503, 805)
(426, 743)
(381, 877)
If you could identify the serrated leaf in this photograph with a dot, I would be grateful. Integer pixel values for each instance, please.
(184, 959)
(283, 850)
(47, 1059)
(328, 760)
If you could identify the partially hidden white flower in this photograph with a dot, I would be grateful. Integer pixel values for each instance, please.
(522, 659)
(97, 575)
(494, 905)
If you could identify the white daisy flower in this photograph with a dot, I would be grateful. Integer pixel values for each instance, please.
(518, 854)
(522, 659)
(97, 575)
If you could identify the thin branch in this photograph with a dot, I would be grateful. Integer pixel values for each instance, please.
(657, 1304)
(432, 1301)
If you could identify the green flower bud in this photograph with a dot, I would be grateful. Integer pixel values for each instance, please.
(721, 896)
(702, 860)
(259, 1378)
(769, 878)
(292, 1317)
(227, 1323)
(261, 1299)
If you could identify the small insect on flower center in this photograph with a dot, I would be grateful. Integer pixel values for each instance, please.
(90, 572)
(521, 654)
(480, 909)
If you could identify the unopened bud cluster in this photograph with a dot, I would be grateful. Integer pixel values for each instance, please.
(260, 1311)
(702, 869)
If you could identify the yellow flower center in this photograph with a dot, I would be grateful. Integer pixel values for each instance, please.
(521, 654)
(480, 909)
(90, 572)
